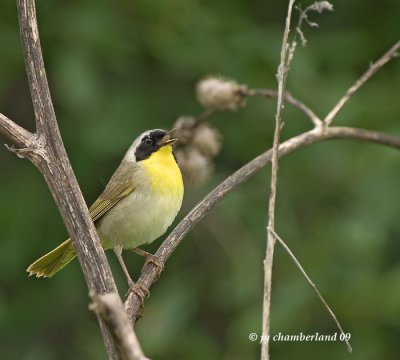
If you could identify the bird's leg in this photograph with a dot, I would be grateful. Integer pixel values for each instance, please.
(150, 258)
(137, 289)
(118, 253)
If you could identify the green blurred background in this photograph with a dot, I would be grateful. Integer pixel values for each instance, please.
(117, 68)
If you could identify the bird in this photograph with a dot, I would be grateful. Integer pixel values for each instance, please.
(137, 206)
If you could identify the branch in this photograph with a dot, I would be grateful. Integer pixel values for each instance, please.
(63, 183)
(17, 134)
(283, 69)
(149, 273)
(46, 124)
(318, 6)
(52, 161)
(297, 262)
(288, 97)
(111, 310)
(385, 58)
(46, 150)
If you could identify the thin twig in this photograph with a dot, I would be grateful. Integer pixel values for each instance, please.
(204, 116)
(385, 58)
(318, 6)
(288, 97)
(149, 274)
(283, 69)
(331, 313)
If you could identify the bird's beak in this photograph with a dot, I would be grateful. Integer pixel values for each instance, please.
(167, 139)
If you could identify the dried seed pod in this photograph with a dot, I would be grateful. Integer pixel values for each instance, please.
(320, 6)
(207, 140)
(185, 126)
(195, 166)
(217, 93)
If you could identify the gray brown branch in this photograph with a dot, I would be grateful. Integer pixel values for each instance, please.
(385, 58)
(55, 166)
(17, 134)
(283, 70)
(46, 150)
(314, 287)
(111, 310)
(289, 98)
(149, 274)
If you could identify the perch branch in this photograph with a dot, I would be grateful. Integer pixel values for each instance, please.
(149, 273)
(56, 167)
(385, 58)
(46, 150)
(111, 310)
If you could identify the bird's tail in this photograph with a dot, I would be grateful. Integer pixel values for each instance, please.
(53, 261)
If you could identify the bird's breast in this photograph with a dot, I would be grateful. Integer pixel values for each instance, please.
(147, 212)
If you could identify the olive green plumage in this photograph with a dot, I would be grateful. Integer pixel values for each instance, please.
(53, 261)
(139, 203)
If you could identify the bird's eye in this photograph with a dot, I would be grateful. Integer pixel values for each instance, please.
(148, 141)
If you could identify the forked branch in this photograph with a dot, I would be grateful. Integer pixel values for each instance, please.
(46, 150)
(314, 287)
(149, 274)
(374, 67)
(283, 69)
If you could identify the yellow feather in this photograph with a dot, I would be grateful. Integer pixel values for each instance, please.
(164, 172)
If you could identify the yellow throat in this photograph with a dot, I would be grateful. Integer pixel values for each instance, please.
(164, 172)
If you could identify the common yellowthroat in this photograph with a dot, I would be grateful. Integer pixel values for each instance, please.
(139, 203)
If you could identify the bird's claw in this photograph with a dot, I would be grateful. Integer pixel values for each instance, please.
(139, 290)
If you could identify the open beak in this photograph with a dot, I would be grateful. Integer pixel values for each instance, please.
(167, 139)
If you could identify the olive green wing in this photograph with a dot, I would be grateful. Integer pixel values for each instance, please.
(120, 185)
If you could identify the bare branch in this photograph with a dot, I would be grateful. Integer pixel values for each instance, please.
(319, 7)
(17, 134)
(385, 58)
(204, 116)
(288, 97)
(58, 173)
(47, 122)
(57, 169)
(51, 159)
(149, 273)
(283, 69)
(111, 310)
(40, 93)
(297, 262)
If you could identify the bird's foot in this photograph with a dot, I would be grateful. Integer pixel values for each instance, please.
(153, 259)
(140, 291)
